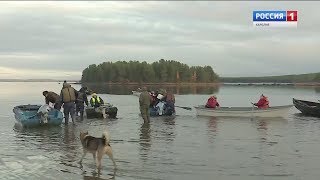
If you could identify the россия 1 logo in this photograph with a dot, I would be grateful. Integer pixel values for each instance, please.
(275, 19)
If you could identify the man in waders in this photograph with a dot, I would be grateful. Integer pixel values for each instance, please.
(144, 102)
(81, 99)
(68, 97)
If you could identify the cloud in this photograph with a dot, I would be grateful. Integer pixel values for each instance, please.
(22, 73)
(51, 39)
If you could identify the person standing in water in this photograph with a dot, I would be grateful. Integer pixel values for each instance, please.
(81, 100)
(144, 102)
(68, 97)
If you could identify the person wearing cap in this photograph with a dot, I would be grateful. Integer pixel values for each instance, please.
(263, 102)
(212, 102)
(52, 97)
(68, 98)
(98, 103)
(144, 102)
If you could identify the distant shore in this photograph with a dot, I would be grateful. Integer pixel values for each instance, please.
(159, 84)
(169, 84)
(273, 84)
(209, 84)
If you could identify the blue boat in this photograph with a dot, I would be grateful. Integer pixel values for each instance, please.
(26, 115)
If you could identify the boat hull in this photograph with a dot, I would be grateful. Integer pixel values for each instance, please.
(110, 111)
(26, 115)
(277, 111)
(307, 108)
(167, 113)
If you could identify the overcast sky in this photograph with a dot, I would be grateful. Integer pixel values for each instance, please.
(59, 39)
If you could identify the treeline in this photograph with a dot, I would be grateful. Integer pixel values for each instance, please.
(142, 72)
(301, 78)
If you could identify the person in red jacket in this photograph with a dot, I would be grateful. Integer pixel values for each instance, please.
(212, 102)
(263, 102)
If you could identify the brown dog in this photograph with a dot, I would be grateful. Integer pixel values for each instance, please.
(97, 146)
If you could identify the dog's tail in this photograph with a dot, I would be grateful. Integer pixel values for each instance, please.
(106, 136)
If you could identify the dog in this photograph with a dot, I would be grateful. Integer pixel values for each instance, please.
(43, 112)
(97, 146)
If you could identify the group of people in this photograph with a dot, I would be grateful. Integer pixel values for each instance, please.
(73, 101)
(159, 103)
(263, 102)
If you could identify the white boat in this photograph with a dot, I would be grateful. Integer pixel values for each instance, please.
(275, 111)
(136, 93)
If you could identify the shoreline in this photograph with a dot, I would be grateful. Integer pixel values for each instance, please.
(315, 84)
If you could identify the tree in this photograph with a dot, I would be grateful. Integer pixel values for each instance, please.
(160, 71)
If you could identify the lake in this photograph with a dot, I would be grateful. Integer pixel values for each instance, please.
(184, 147)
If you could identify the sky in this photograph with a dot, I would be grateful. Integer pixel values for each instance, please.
(57, 40)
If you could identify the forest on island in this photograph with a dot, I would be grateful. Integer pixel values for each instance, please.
(162, 71)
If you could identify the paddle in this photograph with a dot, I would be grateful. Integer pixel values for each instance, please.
(183, 107)
(252, 109)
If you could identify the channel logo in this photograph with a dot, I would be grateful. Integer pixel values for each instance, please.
(275, 19)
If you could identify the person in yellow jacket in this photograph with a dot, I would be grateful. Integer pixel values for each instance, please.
(68, 97)
(98, 104)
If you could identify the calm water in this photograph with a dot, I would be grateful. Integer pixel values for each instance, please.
(186, 147)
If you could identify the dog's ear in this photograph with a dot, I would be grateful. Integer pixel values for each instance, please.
(86, 132)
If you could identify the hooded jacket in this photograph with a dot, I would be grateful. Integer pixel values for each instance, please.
(82, 96)
(68, 93)
(52, 97)
(145, 99)
(212, 103)
(263, 103)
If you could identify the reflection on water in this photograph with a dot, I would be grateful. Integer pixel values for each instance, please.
(145, 140)
(317, 89)
(127, 89)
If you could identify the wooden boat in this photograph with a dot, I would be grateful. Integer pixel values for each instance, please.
(26, 115)
(275, 111)
(308, 108)
(111, 111)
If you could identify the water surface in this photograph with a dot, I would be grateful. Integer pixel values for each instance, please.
(184, 147)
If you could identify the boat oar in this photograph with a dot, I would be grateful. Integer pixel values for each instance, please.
(252, 109)
(183, 107)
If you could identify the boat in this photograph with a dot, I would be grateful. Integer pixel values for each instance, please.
(26, 115)
(111, 111)
(154, 113)
(136, 93)
(275, 111)
(308, 108)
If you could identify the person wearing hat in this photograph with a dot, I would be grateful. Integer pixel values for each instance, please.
(144, 102)
(212, 102)
(68, 98)
(52, 97)
(98, 103)
(263, 102)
